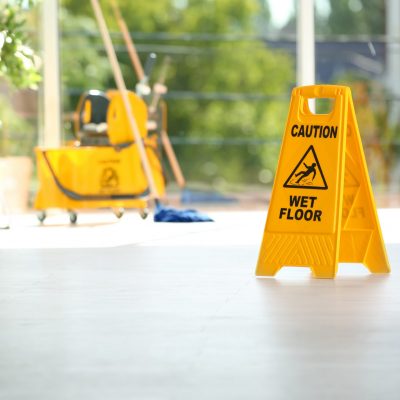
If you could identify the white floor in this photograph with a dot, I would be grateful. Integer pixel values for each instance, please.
(134, 309)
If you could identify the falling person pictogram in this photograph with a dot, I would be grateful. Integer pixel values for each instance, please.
(310, 169)
(307, 173)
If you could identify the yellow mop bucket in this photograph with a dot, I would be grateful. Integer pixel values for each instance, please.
(109, 176)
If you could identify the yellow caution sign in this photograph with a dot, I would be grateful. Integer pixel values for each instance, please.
(322, 209)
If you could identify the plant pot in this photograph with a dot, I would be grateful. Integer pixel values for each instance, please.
(15, 177)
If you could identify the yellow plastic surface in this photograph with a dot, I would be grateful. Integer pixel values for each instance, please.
(87, 112)
(117, 120)
(322, 209)
(91, 171)
(103, 171)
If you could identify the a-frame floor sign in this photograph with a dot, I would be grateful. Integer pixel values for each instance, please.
(322, 209)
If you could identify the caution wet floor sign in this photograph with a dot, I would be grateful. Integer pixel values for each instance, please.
(322, 210)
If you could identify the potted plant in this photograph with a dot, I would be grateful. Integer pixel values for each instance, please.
(17, 71)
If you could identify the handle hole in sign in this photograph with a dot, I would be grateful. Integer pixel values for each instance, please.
(321, 106)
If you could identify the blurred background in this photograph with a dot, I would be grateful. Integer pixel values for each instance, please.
(229, 82)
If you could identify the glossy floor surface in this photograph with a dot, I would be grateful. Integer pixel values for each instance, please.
(132, 309)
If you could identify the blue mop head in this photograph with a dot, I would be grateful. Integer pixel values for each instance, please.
(168, 214)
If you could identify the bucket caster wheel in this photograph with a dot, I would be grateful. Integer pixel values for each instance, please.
(118, 212)
(73, 217)
(144, 213)
(41, 216)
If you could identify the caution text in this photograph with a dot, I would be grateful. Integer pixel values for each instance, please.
(315, 131)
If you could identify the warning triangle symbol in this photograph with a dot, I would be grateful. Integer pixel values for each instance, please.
(308, 173)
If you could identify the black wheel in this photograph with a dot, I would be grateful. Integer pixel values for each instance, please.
(118, 212)
(144, 213)
(41, 216)
(73, 217)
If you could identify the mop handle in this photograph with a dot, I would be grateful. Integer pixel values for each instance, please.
(142, 87)
(149, 65)
(176, 169)
(161, 81)
(122, 88)
(133, 55)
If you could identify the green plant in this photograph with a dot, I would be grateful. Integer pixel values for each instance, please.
(18, 70)
(17, 59)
